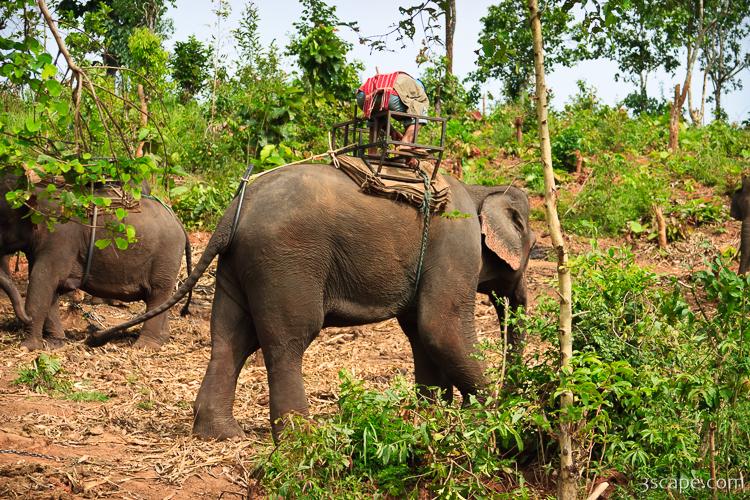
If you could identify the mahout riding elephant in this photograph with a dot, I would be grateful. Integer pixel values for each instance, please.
(740, 210)
(146, 271)
(312, 251)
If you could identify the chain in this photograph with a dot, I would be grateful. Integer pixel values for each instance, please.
(32, 454)
(426, 202)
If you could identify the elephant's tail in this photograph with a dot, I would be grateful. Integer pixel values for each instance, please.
(189, 267)
(7, 285)
(218, 243)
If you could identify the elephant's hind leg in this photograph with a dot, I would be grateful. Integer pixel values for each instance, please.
(233, 339)
(53, 325)
(284, 335)
(155, 331)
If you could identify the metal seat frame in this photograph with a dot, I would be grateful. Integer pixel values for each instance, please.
(351, 133)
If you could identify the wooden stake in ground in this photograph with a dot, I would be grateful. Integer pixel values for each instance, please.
(518, 123)
(567, 487)
(661, 226)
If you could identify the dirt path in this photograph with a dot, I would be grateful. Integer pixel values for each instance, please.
(137, 444)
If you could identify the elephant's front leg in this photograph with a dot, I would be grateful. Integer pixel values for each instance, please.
(233, 339)
(516, 332)
(446, 332)
(428, 376)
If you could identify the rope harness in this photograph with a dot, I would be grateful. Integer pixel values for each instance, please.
(241, 193)
(425, 209)
(90, 253)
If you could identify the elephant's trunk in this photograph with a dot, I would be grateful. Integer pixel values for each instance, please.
(217, 244)
(6, 283)
(745, 246)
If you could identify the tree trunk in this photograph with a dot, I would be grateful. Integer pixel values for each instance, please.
(579, 161)
(7, 285)
(701, 114)
(144, 119)
(718, 114)
(450, 30)
(519, 129)
(696, 114)
(712, 457)
(567, 487)
(674, 120)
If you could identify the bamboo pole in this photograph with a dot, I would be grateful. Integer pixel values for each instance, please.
(567, 487)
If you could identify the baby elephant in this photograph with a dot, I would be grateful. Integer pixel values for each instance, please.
(58, 262)
(740, 210)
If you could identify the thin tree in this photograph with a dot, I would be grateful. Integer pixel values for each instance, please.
(567, 483)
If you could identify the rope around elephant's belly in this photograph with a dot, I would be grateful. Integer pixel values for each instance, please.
(425, 209)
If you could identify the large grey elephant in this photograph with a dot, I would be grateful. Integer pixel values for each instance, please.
(740, 210)
(312, 251)
(57, 261)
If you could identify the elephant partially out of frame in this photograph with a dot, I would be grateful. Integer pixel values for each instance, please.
(58, 260)
(312, 251)
(740, 210)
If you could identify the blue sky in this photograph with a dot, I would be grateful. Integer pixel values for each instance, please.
(276, 18)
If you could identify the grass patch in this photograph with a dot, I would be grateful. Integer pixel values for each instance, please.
(47, 376)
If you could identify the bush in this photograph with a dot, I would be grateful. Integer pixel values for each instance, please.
(564, 147)
(651, 375)
(618, 192)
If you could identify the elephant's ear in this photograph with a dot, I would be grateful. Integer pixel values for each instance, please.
(505, 228)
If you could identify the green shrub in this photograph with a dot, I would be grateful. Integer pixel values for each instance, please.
(393, 443)
(201, 205)
(618, 191)
(564, 145)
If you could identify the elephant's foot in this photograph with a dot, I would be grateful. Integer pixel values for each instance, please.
(54, 342)
(218, 429)
(32, 344)
(150, 342)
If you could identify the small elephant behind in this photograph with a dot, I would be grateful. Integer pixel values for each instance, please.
(59, 262)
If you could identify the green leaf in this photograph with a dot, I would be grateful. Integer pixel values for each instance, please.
(49, 71)
(143, 133)
(130, 232)
(53, 87)
(179, 191)
(120, 213)
(102, 244)
(32, 125)
(121, 243)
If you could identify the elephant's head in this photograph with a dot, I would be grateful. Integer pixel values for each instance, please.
(740, 208)
(504, 219)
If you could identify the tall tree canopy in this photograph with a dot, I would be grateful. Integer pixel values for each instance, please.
(506, 51)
